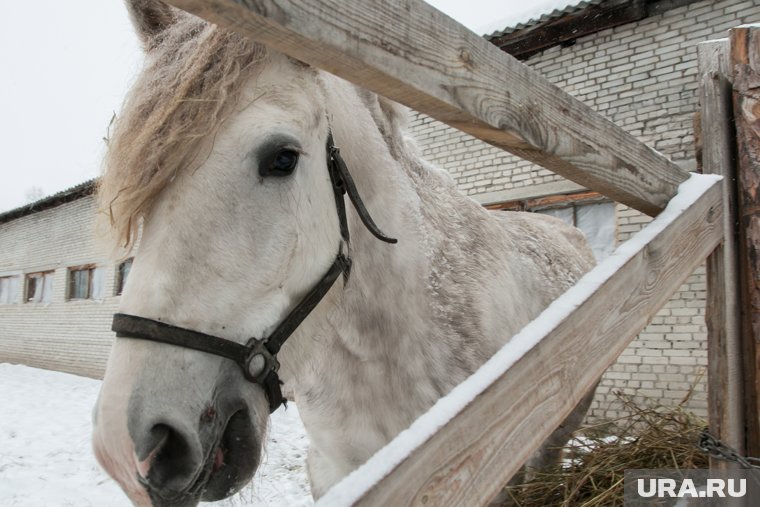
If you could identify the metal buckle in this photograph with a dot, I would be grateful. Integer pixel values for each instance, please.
(259, 362)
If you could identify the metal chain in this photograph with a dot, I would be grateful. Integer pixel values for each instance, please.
(717, 449)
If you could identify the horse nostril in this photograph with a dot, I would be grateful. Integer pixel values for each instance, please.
(167, 459)
(146, 448)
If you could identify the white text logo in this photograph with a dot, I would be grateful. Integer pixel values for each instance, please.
(713, 488)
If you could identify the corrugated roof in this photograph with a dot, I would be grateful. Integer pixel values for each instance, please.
(571, 8)
(51, 201)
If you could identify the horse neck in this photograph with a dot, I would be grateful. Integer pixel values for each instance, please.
(385, 188)
(386, 279)
(381, 329)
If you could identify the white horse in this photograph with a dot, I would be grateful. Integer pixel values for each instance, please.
(221, 158)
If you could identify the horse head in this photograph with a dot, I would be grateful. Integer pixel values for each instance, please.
(222, 167)
(219, 163)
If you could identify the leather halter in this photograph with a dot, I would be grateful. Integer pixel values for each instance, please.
(258, 358)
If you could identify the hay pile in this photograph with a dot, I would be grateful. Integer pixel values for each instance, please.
(592, 476)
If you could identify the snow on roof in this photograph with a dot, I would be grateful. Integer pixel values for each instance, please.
(64, 196)
(535, 13)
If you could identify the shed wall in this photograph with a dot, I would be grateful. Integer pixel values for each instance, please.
(66, 335)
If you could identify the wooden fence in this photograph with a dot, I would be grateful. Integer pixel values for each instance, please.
(470, 443)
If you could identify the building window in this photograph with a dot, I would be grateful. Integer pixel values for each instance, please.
(85, 282)
(9, 288)
(39, 287)
(122, 272)
(588, 211)
(596, 221)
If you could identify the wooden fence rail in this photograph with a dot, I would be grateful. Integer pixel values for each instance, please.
(414, 54)
(462, 452)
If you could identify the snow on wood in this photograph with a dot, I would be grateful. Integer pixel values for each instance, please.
(477, 436)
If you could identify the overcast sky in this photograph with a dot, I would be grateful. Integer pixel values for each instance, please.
(67, 65)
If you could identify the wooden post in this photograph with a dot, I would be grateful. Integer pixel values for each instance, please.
(722, 316)
(745, 64)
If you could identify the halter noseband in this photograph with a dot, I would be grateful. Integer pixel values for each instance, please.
(258, 358)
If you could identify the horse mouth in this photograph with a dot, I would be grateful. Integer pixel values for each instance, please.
(229, 465)
(232, 462)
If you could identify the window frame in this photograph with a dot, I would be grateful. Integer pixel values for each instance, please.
(550, 201)
(39, 277)
(70, 277)
(574, 201)
(14, 300)
(121, 276)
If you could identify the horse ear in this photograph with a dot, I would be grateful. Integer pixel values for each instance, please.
(150, 18)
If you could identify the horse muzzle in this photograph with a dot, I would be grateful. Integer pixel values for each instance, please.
(179, 465)
(174, 444)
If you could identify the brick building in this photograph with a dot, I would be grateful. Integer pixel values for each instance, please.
(632, 60)
(57, 288)
(635, 62)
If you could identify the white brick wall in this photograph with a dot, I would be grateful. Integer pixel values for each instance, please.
(642, 76)
(71, 336)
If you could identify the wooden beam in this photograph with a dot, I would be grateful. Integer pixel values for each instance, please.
(560, 200)
(528, 192)
(722, 316)
(414, 54)
(474, 439)
(745, 63)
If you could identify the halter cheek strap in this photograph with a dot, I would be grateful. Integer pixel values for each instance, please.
(258, 358)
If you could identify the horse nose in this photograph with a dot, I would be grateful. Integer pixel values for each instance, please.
(169, 455)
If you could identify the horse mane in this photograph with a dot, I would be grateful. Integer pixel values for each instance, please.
(193, 77)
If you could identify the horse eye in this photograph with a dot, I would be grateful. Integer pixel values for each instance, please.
(281, 163)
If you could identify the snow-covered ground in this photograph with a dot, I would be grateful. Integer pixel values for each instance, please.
(45, 456)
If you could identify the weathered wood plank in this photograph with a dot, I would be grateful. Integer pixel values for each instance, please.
(414, 54)
(722, 316)
(745, 64)
(463, 457)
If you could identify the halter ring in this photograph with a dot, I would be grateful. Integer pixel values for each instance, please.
(260, 362)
